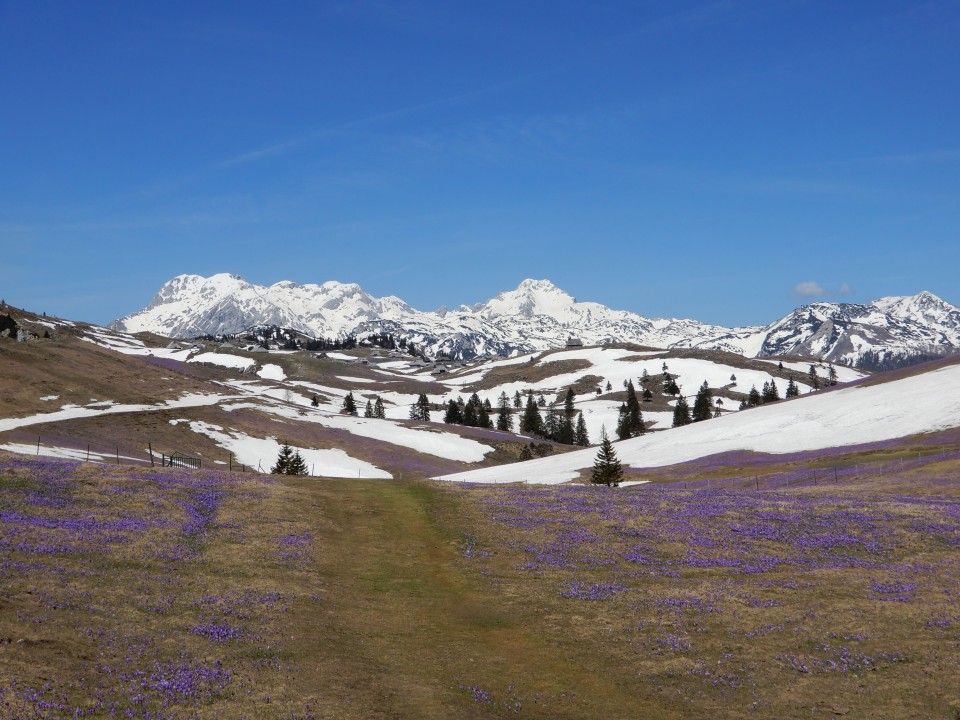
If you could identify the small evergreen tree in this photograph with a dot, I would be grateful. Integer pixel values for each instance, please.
(580, 436)
(531, 422)
(832, 375)
(753, 397)
(453, 415)
(792, 389)
(702, 403)
(769, 392)
(517, 400)
(606, 467)
(647, 395)
(297, 466)
(423, 408)
(681, 413)
(379, 411)
(315, 401)
(504, 416)
(368, 410)
(671, 388)
(813, 378)
(284, 457)
(349, 405)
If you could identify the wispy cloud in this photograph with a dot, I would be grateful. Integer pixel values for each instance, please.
(809, 288)
(844, 289)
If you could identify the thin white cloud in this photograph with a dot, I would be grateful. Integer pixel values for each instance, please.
(844, 289)
(808, 289)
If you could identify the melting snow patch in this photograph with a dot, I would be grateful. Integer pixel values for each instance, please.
(261, 454)
(50, 397)
(272, 372)
(223, 360)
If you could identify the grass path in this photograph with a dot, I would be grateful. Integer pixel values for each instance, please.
(407, 631)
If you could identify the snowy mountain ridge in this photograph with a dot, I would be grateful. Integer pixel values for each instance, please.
(537, 315)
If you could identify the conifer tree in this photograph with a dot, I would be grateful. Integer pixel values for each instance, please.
(634, 417)
(315, 401)
(647, 395)
(551, 425)
(832, 375)
(681, 413)
(813, 378)
(623, 424)
(531, 422)
(753, 397)
(504, 416)
(517, 400)
(483, 415)
(423, 408)
(580, 436)
(379, 411)
(297, 466)
(453, 415)
(770, 392)
(283, 460)
(702, 403)
(792, 389)
(349, 405)
(606, 467)
(368, 410)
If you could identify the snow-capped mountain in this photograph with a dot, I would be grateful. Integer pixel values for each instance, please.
(537, 315)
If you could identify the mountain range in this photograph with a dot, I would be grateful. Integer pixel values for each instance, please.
(537, 315)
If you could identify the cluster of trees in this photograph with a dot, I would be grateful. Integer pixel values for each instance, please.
(703, 408)
(472, 413)
(630, 419)
(289, 462)
(770, 393)
(420, 410)
(883, 361)
(375, 409)
(816, 382)
(558, 425)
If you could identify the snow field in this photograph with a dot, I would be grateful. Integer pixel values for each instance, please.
(223, 360)
(848, 416)
(261, 453)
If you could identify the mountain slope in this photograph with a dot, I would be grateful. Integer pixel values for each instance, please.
(537, 315)
(927, 402)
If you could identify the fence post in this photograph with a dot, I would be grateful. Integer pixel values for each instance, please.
(38, 445)
(88, 452)
(150, 448)
(118, 454)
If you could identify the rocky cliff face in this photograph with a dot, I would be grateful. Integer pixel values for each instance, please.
(537, 315)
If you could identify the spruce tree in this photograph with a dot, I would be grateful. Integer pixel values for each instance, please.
(753, 397)
(813, 378)
(832, 375)
(315, 401)
(634, 418)
(606, 467)
(504, 416)
(297, 466)
(647, 395)
(792, 389)
(349, 405)
(580, 437)
(623, 423)
(379, 411)
(423, 408)
(453, 415)
(681, 413)
(283, 460)
(702, 403)
(368, 410)
(531, 422)
(769, 392)
(517, 400)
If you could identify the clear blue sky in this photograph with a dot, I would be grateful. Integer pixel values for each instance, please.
(717, 160)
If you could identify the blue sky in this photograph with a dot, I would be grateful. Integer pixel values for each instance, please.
(725, 161)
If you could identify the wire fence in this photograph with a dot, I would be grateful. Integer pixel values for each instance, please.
(117, 454)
